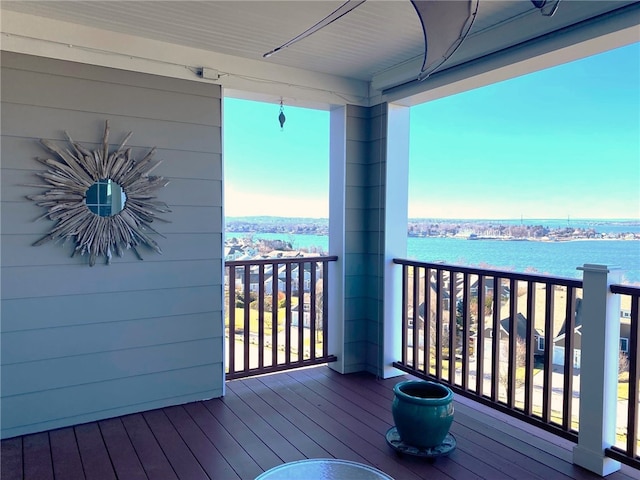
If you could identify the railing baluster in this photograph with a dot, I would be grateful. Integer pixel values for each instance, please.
(567, 397)
(548, 368)
(274, 313)
(634, 376)
(630, 454)
(301, 303)
(246, 311)
(495, 340)
(313, 314)
(466, 294)
(512, 356)
(426, 320)
(232, 320)
(414, 316)
(480, 337)
(325, 309)
(405, 313)
(439, 315)
(530, 348)
(261, 294)
(287, 316)
(453, 325)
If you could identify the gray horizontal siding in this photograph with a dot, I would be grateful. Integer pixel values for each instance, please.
(202, 165)
(176, 246)
(48, 122)
(364, 193)
(82, 343)
(105, 75)
(56, 280)
(109, 336)
(83, 95)
(68, 406)
(68, 371)
(23, 314)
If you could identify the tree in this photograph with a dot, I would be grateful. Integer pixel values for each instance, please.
(319, 305)
(521, 360)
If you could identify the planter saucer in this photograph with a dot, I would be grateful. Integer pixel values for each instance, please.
(445, 448)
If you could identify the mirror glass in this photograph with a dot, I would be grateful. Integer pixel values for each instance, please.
(105, 198)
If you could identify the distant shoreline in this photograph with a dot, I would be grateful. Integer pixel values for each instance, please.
(452, 237)
(503, 230)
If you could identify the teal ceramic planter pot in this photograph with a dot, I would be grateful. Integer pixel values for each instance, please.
(422, 412)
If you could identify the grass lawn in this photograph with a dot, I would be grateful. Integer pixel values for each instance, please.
(253, 319)
(623, 390)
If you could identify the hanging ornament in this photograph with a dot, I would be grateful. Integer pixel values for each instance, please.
(281, 117)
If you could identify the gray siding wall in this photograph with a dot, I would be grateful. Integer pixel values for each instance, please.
(81, 343)
(364, 219)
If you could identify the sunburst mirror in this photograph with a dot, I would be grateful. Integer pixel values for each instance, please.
(103, 201)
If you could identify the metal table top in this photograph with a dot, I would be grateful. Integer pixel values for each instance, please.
(323, 469)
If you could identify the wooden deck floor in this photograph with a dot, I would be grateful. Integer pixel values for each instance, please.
(265, 421)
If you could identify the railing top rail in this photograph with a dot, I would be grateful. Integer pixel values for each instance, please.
(625, 289)
(569, 282)
(280, 261)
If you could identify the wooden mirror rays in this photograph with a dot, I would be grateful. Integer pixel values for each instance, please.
(73, 172)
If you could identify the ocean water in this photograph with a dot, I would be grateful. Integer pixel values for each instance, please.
(548, 258)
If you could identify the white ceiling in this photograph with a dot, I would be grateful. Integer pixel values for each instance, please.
(380, 42)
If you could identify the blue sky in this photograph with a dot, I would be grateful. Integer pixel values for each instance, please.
(560, 142)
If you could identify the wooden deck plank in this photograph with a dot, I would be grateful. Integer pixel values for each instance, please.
(11, 454)
(153, 459)
(65, 455)
(239, 460)
(279, 443)
(315, 432)
(93, 452)
(213, 463)
(248, 440)
(360, 406)
(265, 421)
(278, 421)
(123, 456)
(37, 457)
(182, 460)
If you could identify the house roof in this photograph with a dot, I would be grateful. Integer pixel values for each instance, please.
(376, 50)
(577, 319)
(521, 326)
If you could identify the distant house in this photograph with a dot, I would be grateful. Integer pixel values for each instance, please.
(233, 252)
(521, 332)
(306, 315)
(489, 287)
(559, 340)
(280, 277)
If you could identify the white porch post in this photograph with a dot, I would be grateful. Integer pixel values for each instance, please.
(599, 367)
(337, 203)
(395, 232)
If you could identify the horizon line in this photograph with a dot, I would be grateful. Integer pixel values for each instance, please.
(568, 219)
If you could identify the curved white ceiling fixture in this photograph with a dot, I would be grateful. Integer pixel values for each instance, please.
(445, 25)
